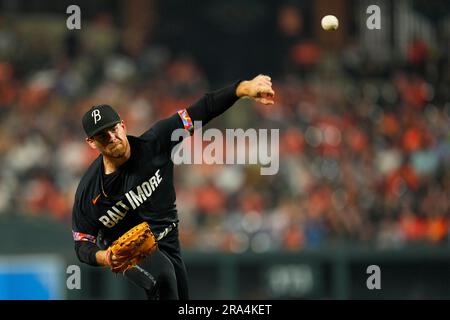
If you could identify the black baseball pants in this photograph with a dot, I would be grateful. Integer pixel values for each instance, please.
(162, 274)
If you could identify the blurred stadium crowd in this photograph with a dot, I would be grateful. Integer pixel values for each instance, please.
(364, 147)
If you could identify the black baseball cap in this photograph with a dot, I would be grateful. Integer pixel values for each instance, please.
(99, 118)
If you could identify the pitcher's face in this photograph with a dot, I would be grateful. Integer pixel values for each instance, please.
(111, 142)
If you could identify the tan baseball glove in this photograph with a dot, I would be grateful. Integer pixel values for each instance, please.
(133, 246)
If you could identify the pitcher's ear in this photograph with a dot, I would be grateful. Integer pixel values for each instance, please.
(91, 143)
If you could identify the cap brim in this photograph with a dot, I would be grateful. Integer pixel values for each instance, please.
(103, 127)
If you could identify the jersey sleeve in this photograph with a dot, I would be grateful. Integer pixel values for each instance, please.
(205, 109)
(84, 233)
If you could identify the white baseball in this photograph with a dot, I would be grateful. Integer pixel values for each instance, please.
(330, 22)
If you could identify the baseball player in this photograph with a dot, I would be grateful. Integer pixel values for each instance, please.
(131, 181)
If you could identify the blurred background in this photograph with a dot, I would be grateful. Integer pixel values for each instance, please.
(364, 142)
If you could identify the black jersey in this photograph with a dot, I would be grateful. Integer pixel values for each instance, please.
(142, 189)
